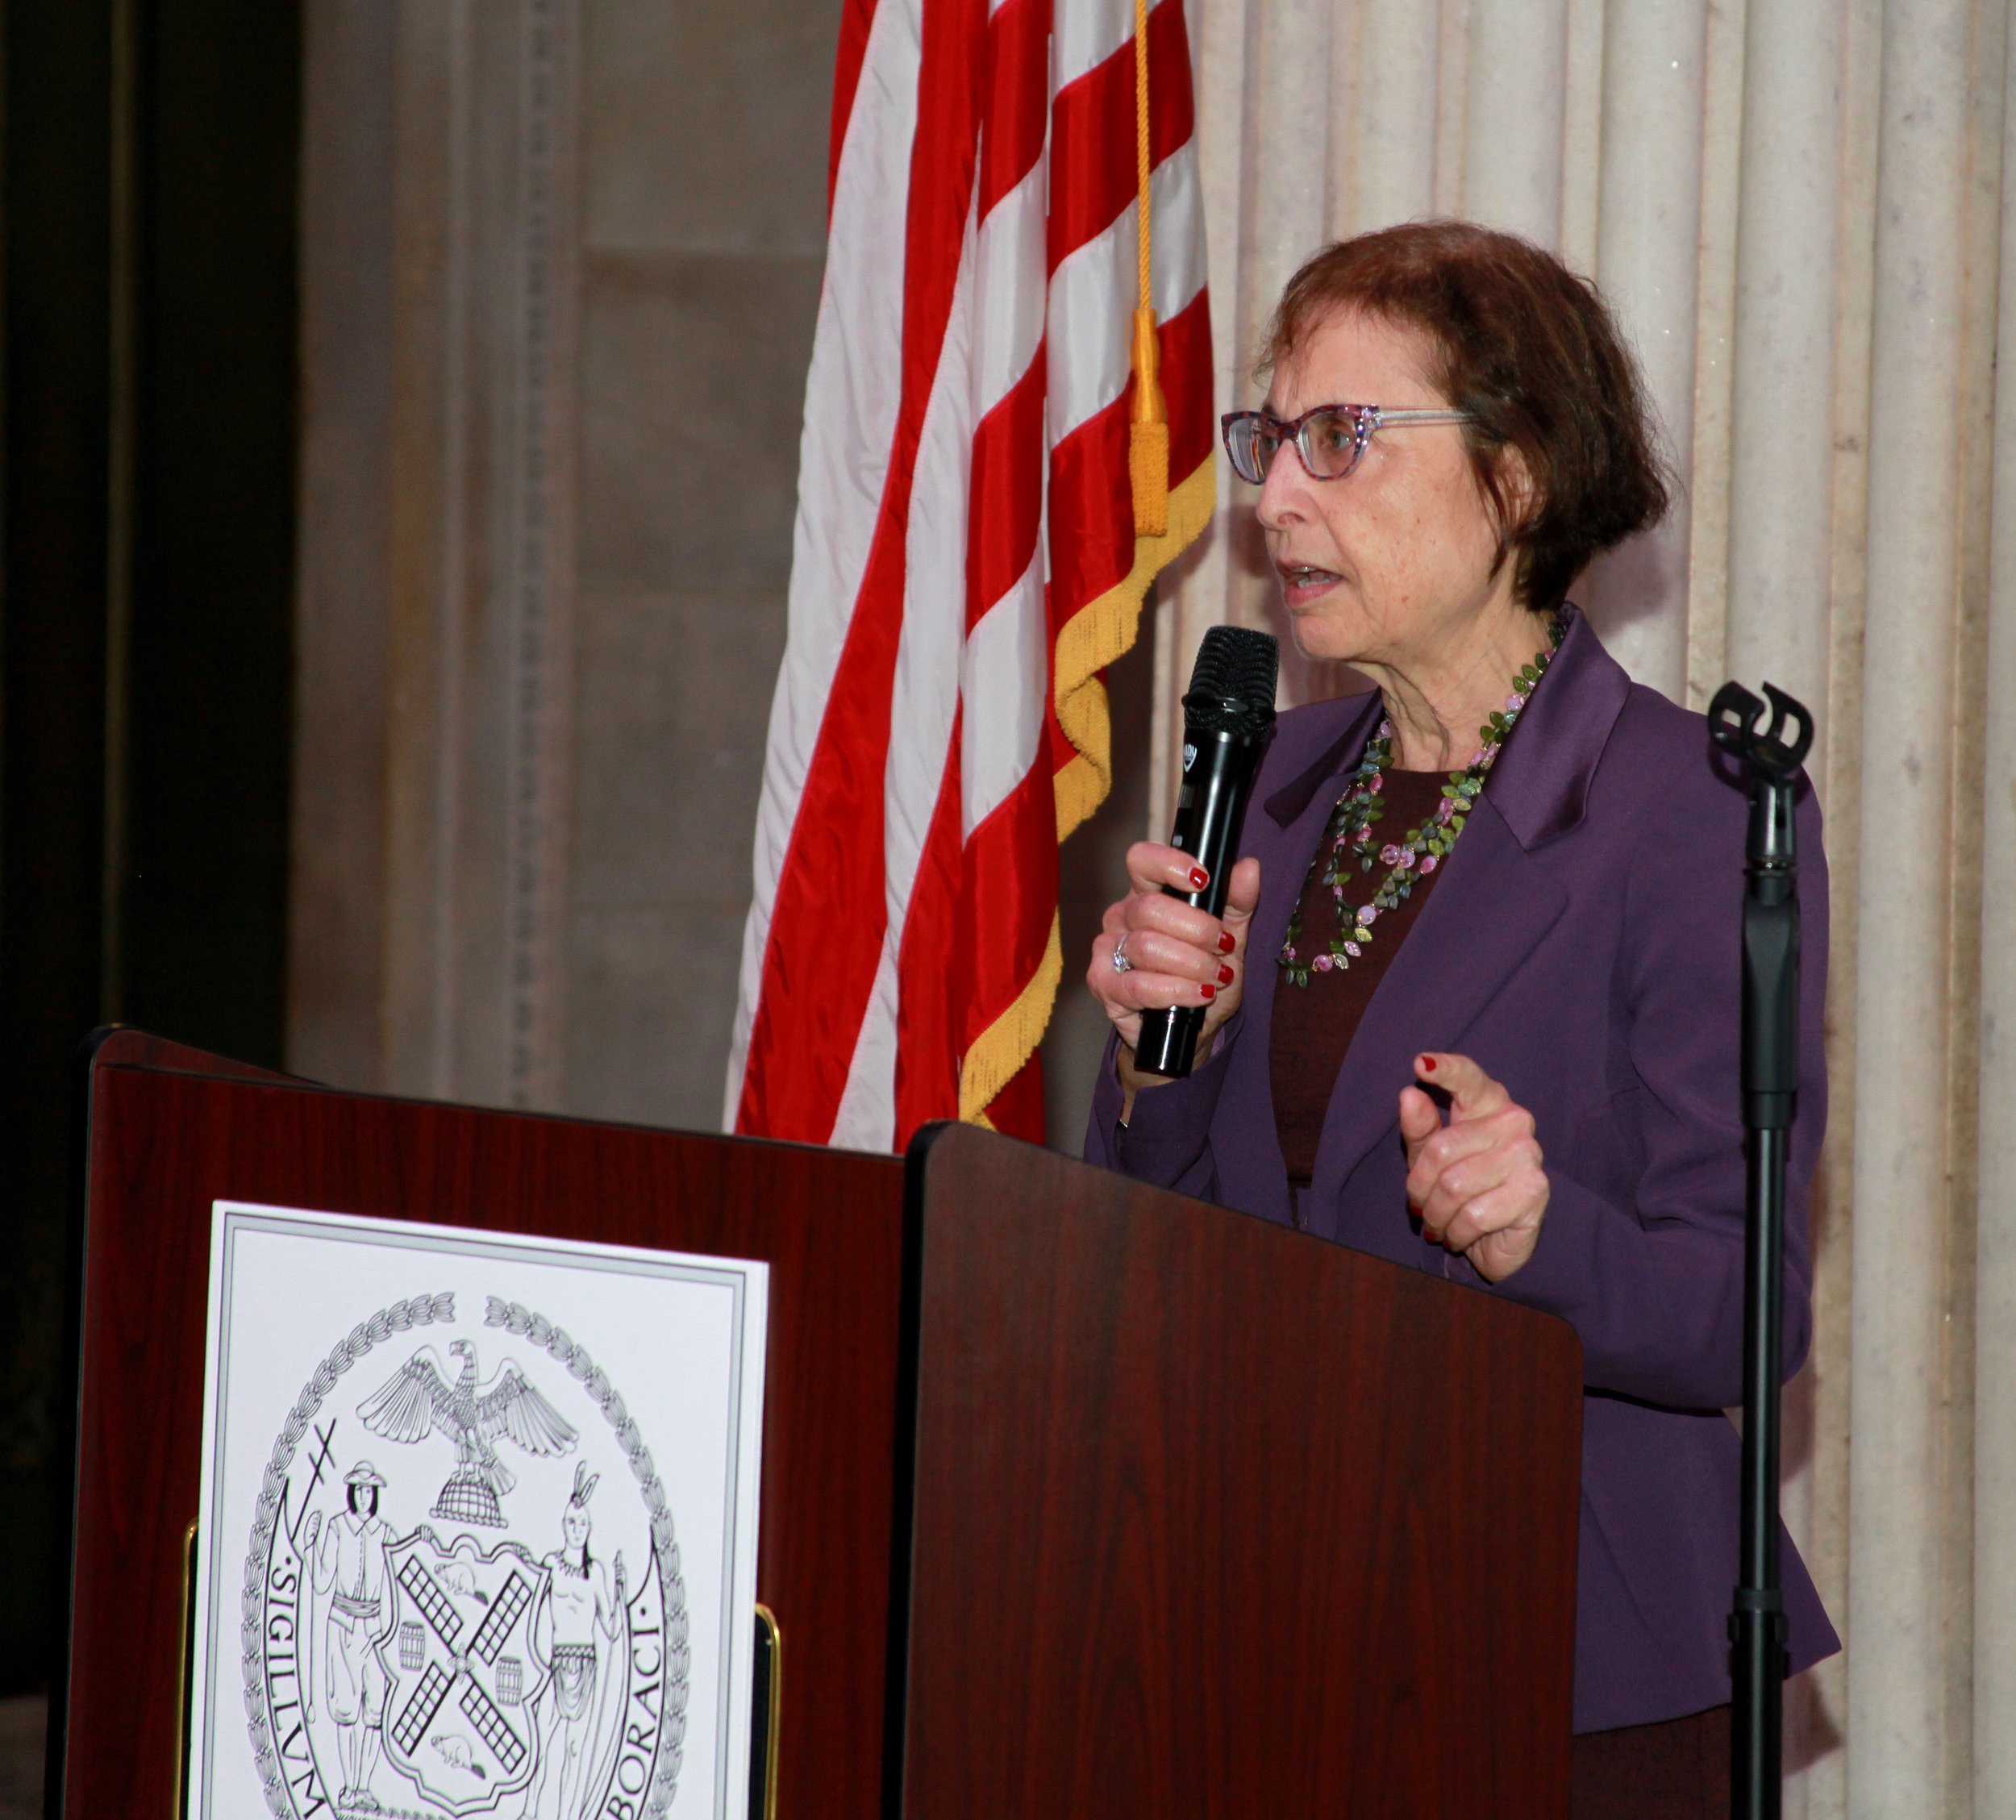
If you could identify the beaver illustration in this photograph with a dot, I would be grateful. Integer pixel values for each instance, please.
(456, 1749)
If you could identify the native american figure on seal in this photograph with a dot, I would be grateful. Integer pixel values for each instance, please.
(353, 1618)
(419, 1397)
(585, 1634)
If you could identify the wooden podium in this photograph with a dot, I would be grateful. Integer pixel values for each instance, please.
(1079, 1498)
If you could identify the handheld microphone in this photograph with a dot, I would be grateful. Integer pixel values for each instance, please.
(1228, 713)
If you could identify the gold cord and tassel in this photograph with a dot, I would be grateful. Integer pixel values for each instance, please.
(1148, 433)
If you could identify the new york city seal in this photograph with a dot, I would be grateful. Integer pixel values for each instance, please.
(462, 1594)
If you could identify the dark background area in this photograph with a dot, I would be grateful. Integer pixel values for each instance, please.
(149, 168)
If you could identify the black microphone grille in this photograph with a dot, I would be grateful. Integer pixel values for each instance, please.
(1232, 685)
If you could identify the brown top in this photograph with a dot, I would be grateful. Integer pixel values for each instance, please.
(1314, 1024)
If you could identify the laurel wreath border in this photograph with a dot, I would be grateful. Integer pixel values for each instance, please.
(403, 1317)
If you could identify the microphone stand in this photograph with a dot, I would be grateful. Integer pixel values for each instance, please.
(1757, 1625)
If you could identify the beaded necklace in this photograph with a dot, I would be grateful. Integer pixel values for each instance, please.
(1349, 833)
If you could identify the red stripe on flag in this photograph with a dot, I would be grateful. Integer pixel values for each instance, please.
(978, 925)
(1184, 369)
(1018, 1108)
(1092, 175)
(1007, 899)
(1017, 98)
(1006, 509)
(831, 907)
(1091, 512)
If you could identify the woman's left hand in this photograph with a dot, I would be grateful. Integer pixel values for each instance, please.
(1476, 1182)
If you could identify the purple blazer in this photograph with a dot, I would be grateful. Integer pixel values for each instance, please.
(1584, 946)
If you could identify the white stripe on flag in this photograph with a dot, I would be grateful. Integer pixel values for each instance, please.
(1007, 684)
(1009, 299)
(1086, 33)
(865, 1118)
(925, 700)
(1093, 293)
(1005, 675)
(850, 400)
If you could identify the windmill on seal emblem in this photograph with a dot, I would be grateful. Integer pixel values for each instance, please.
(418, 1397)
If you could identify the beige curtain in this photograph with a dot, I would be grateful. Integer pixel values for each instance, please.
(1798, 208)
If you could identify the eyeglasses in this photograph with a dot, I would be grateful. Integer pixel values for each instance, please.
(1330, 438)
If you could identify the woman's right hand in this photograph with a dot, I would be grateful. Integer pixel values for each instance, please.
(1179, 955)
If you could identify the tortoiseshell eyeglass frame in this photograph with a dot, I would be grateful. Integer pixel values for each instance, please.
(1366, 420)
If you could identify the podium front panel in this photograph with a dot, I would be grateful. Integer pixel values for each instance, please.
(172, 1131)
(1213, 1518)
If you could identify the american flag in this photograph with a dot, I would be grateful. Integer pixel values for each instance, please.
(965, 561)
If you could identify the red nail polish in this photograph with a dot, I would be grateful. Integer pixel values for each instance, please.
(1427, 1064)
(1226, 942)
(1208, 992)
(1199, 878)
(1225, 975)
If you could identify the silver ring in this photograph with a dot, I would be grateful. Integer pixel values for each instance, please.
(1121, 964)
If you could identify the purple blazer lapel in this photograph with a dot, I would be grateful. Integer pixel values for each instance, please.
(1494, 904)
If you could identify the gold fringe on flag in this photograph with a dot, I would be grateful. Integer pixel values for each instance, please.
(1105, 629)
(1011, 1038)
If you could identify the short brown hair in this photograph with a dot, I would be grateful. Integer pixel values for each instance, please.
(1529, 350)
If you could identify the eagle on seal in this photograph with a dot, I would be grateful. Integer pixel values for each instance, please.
(418, 1397)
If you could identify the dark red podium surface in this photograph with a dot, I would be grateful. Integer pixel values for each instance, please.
(1079, 1498)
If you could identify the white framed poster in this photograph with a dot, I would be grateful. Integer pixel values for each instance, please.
(478, 1526)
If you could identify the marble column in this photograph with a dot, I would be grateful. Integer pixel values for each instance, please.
(1781, 464)
(1648, 235)
(1516, 94)
(1285, 206)
(1286, 214)
(1994, 1563)
(1383, 162)
(481, 535)
(1898, 1717)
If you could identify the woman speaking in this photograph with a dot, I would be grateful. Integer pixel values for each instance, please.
(1506, 885)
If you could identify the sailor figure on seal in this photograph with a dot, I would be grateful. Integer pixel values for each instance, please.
(352, 1621)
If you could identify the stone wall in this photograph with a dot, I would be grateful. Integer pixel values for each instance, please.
(563, 259)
